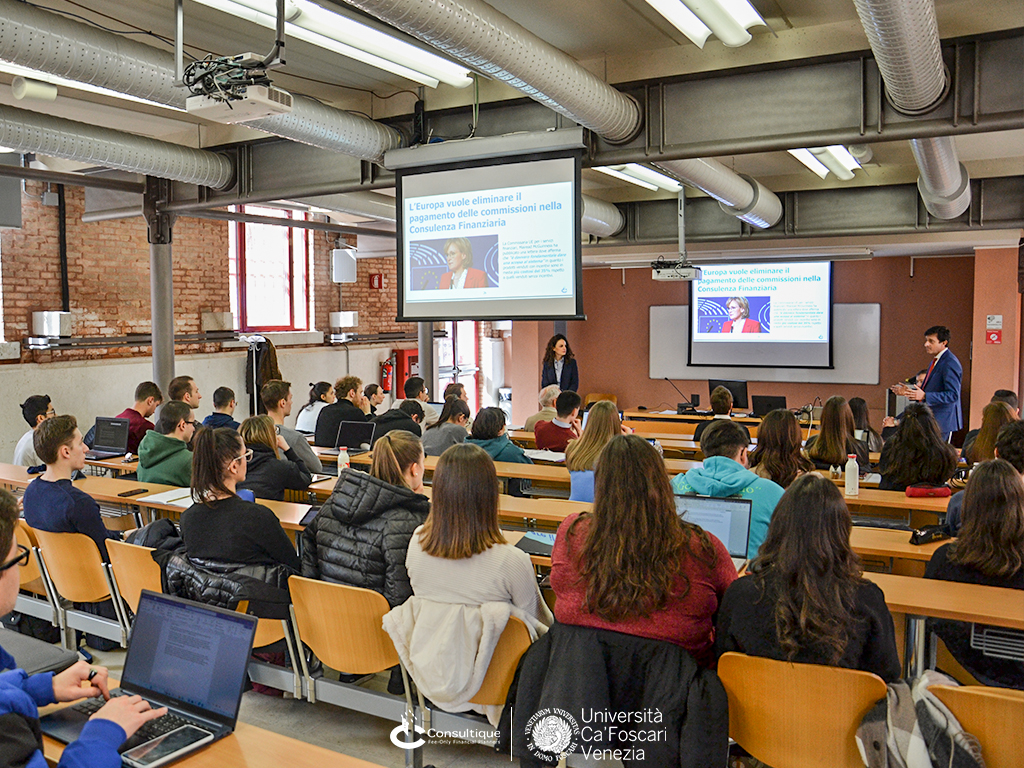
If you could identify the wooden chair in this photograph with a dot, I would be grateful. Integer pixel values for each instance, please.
(74, 571)
(133, 570)
(30, 579)
(994, 715)
(513, 643)
(594, 397)
(797, 715)
(269, 632)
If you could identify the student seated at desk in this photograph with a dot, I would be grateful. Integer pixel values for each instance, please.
(632, 565)
(835, 440)
(489, 433)
(981, 446)
(361, 534)
(806, 600)
(21, 695)
(1009, 447)
(321, 395)
(555, 435)
(546, 400)
(408, 417)
(267, 474)
(164, 456)
(35, 410)
(778, 455)
(223, 410)
(449, 429)
(916, 453)
(989, 550)
(581, 455)
(351, 405)
(863, 430)
(721, 407)
(147, 399)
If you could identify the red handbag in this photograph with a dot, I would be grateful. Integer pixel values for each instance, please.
(938, 491)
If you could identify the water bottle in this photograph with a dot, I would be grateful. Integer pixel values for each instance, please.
(852, 475)
(343, 459)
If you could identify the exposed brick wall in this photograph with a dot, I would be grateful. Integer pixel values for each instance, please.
(377, 308)
(108, 270)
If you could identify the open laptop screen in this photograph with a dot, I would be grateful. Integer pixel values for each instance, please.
(111, 434)
(355, 434)
(727, 519)
(189, 652)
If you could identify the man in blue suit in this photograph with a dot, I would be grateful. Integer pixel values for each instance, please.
(941, 387)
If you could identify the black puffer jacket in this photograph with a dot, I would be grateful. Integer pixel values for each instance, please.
(267, 476)
(361, 535)
(225, 584)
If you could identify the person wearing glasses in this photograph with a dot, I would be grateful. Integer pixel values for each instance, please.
(164, 456)
(220, 526)
(21, 694)
(35, 410)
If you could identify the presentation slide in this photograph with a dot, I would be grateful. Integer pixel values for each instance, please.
(492, 241)
(776, 315)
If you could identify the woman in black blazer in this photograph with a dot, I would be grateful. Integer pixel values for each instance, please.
(560, 365)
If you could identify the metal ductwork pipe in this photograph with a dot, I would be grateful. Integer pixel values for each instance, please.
(739, 195)
(904, 37)
(55, 44)
(45, 135)
(481, 37)
(601, 218)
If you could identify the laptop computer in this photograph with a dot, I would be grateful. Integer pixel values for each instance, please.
(727, 519)
(111, 438)
(355, 436)
(765, 404)
(188, 657)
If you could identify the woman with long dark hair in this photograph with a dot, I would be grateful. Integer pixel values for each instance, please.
(982, 447)
(220, 526)
(916, 453)
(778, 455)
(835, 441)
(582, 453)
(632, 565)
(274, 466)
(449, 429)
(806, 600)
(989, 550)
(862, 428)
(321, 395)
(559, 365)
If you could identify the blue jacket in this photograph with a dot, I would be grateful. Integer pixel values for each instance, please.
(581, 485)
(570, 376)
(20, 698)
(216, 420)
(721, 477)
(942, 392)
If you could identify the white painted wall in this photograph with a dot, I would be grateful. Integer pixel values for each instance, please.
(88, 389)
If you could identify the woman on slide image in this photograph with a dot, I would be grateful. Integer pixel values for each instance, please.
(739, 317)
(559, 365)
(461, 274)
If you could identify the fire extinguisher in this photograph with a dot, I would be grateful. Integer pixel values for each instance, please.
(387, 370)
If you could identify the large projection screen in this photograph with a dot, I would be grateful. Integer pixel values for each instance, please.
(499, 240)
(775, 315)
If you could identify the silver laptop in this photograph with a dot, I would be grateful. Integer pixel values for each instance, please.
(727, 519)
(354, 436)
(188, 657)
(110, 438)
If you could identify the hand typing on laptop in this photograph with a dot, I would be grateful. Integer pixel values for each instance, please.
(81, 681)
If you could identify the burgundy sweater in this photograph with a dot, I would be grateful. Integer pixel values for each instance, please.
(551, 437)
(687, 621)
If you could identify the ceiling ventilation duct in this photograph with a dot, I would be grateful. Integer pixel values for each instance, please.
(739, 195)
(27, 131)
(51, 43)
(904, 37)
(601, 218)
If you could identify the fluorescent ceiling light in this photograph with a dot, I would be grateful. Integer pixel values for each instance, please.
(812, 163)
(14, 69)
(642, 176)
(821, 160)
(728, 20)
(843, 156)
(318, 26)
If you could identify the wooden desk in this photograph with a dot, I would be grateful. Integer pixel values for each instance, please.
(873, 500)
(116, 466)
(248, 747)
(945, 600)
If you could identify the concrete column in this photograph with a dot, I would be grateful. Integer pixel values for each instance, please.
(428, 367)
(161, 292)
(994, 366)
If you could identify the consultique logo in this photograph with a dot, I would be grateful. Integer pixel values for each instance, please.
(399, 731)
(552, 733)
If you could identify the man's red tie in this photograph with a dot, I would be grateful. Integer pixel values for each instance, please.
(929, 374)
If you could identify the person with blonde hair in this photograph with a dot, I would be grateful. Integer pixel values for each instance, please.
(458, 252)
(982, 447)
(268, 474)
(361, 534)
(581, 455)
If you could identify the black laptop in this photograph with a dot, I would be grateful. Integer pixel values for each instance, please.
(355, 436)
(186, 656)
(765, 404)
(110, 438)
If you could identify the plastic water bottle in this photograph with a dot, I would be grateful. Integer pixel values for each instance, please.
(343, 459)
(851, 474)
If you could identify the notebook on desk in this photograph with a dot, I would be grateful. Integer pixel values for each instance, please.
(188, 657)
(727, 519)
(111, 438)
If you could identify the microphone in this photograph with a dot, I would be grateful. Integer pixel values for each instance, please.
(686, 403)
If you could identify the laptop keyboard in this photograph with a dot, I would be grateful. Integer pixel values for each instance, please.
(152, 729)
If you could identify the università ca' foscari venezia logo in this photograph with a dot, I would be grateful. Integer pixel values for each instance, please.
(553, 733)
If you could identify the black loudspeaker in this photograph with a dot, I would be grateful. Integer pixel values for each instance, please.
(695, 401)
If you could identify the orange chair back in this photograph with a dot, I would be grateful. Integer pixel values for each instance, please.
(134, 571)
(29, 577)
(74, 565)
(512, 644)
(994, 715)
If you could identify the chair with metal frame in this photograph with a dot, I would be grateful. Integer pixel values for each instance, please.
(995, 716)
(133, 570)
(30, 579)
(797, 715)
(271, 632)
